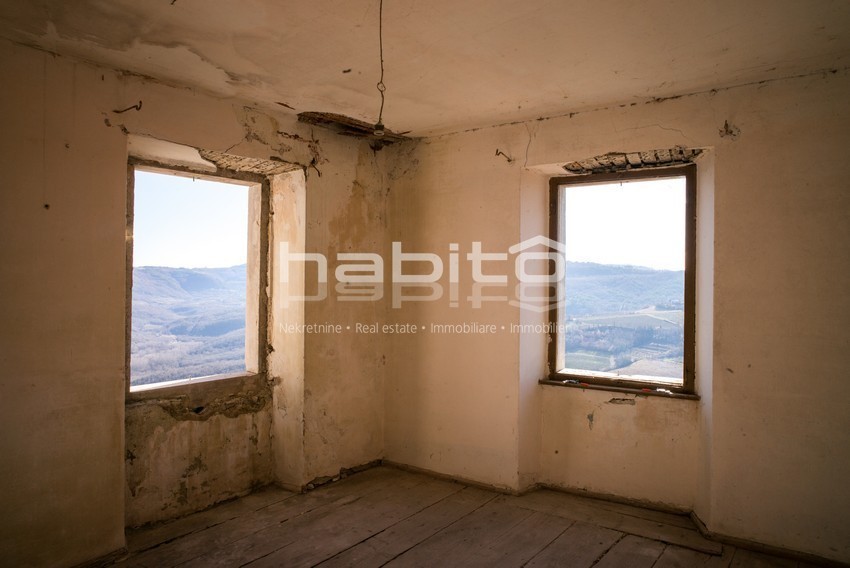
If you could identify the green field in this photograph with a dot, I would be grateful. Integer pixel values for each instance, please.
(653, 368)
(587, 361)
(668, 320)
(677, 316)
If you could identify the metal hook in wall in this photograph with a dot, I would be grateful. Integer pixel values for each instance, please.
(500, 153)
(134, 107)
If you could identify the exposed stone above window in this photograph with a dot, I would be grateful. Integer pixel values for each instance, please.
(621, 161)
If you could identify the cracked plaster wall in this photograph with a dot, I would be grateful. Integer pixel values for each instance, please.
(63, 479)
(344, 386)
(178, 462)
(328, 387)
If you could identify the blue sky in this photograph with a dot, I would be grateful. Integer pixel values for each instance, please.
(189, 223)
(194, 223)
(641, 223)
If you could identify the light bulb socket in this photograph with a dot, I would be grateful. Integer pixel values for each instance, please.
(379, 129)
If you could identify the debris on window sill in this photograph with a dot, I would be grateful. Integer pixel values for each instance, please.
(646, 391)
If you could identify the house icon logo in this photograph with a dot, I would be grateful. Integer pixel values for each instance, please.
(539, 290)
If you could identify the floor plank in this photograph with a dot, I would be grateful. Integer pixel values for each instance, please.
(200, 543)
(632, 551)
(386, 516)
(521, 543)
(455, 542)
(314, 537)
(579, 546)
(749, 559)
(674, 519)
(578, 509)
(678, 557)
(386, 545)
(148, 537)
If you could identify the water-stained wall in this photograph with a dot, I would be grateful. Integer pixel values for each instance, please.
(79, 464)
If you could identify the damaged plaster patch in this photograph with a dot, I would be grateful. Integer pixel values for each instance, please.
(312, 145)
(729, 131)
(343, 473)
(349, 126)
(175, 466)
(167, 152)
(622, 161)
(354, 224)
(627, 401)
(230, 406)
(265, 130)
(406, 163)
(244, 164)
(196, 466)
(125, 38)
(590, 420)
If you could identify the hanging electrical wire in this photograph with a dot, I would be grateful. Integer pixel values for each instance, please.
(379, 126)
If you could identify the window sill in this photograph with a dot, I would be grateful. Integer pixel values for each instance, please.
(576, 383)
(201, 389)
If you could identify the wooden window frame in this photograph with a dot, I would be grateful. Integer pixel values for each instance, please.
(260, 264)
(556, 233)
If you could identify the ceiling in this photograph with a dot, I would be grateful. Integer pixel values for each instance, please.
(450, 64)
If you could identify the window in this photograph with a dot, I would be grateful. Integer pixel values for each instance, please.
(626, 318)
(196, 277)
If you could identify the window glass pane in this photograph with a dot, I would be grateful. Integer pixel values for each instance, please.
(189, 278)
(624, 285)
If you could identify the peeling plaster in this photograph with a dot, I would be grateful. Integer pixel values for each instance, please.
(621, 161)
(189, 450)
(235, 163)
(266, 130)
(180, 459)
(230, 406)
(254, 53)
(729, 131)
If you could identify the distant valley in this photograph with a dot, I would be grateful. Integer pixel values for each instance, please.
(627, 320)
(191, 322)
(187, 323)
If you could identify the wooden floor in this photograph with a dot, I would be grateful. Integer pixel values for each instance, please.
(388, 517)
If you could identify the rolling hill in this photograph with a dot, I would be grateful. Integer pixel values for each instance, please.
(626, 320)
(187, 323)
(191, 322)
